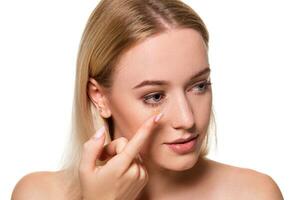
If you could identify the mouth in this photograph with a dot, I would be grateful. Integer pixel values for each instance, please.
(183, 146)
(182, 140)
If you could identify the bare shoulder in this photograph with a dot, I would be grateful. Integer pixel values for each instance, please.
(39, 185)
(245, 183)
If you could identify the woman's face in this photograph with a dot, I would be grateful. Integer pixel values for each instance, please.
(172, 57)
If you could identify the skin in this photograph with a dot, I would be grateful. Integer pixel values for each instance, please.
(186, 108)
(173, 56)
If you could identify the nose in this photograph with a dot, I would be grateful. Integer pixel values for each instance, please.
(181, 113)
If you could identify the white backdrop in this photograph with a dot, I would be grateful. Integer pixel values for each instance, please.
(254, 56)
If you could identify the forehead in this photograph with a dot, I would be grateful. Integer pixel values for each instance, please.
(172, 56)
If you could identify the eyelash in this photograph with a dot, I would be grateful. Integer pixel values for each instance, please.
(204, 84)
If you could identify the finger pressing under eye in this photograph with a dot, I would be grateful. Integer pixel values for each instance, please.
(136, 143)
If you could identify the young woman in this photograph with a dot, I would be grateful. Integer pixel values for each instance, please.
(143, 89)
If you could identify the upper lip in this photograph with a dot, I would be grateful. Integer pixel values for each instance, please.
(182, 140)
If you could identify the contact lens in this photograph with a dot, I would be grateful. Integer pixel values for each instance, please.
(163, 108)
(155, 111)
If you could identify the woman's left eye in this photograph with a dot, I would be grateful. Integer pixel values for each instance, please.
(201, 87)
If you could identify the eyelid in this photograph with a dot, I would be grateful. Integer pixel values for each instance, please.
(145, 99)
(152, 94)
(192, 85)
(199, 79)
(205, 81)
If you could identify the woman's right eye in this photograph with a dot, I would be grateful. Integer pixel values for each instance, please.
(156, 97)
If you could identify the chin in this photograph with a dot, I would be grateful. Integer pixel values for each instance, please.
(168, 160)
(180, 163)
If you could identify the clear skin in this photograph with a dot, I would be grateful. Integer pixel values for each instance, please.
(186, 107)
(163, 174)
(174, 56)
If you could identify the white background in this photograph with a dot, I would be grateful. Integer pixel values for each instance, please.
(254, 57)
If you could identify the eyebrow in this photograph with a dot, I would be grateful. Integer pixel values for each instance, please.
(162, 82)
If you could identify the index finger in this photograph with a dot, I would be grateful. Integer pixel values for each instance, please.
(136, 143)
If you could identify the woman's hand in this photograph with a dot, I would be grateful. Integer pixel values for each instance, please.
(121, 177)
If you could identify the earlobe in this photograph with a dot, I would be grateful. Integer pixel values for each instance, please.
(103, 111)
(97, 97)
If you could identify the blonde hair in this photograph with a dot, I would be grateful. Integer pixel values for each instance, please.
(113, 27)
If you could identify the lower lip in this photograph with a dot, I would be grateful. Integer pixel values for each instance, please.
(184, 147)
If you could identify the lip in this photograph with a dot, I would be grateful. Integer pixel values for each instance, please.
(182, 140)
(185, 147)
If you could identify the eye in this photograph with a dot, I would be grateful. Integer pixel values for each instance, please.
(156, 97)
(202, 86)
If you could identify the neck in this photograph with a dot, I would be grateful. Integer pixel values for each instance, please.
(164, 182)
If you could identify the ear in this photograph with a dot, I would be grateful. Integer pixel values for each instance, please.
(97, 96)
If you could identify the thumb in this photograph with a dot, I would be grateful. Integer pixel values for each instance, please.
(92, 149)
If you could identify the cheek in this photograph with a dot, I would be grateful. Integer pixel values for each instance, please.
(136, 116)
(153, 145)
(205, 109)
(202, 104)
(125, 118)
(128, 123)
(202, 107)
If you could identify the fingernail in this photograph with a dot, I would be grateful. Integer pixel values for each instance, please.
(99, 133)
(158, 117)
